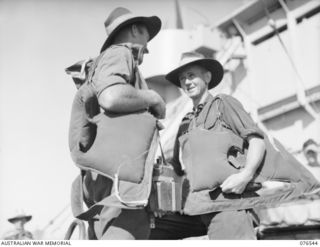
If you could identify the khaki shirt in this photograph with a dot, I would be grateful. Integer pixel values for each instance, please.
(117, 66)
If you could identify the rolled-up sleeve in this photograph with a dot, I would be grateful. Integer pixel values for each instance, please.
(115, 67)
(238, 119)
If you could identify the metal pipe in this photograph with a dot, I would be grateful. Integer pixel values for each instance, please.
(235, 43)
(301, 95)
(72, 227)
(248, 48)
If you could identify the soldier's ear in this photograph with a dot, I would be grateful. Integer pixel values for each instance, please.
(207, 76)
(134, 29)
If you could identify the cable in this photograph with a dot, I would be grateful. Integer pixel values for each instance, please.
(57, 216)
(303, 100)
(63, 221)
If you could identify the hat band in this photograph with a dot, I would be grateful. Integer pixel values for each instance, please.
(311, 147)
(117, 22)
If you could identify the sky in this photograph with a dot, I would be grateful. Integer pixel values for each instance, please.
(38, 39)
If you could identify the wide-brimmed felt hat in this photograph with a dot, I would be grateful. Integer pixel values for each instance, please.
(310, 145)
(19, 217)
(121, 17)
(195, 58)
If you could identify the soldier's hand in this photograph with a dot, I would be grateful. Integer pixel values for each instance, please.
(160, 126)
(236, 183)
(138, 52)
(158, 214)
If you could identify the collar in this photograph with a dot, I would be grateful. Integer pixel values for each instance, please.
(196, 110)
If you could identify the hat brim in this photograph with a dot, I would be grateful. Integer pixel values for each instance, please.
(14, 219)
(211, 65)
(311, 147)
(152, 23)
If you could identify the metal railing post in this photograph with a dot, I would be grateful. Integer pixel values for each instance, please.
(72, 227)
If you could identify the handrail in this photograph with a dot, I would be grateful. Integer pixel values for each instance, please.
(72, 227)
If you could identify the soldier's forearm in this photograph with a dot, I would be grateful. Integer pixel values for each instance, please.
(255, 155)
(124, 98)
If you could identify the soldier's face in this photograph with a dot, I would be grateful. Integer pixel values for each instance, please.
(311, 157)
(140, 39)
(142, 35)
(194, 81)
(19, 224)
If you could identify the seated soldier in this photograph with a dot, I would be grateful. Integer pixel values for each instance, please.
(311, 152)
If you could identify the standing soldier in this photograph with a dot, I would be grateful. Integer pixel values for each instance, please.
(226, 160)
(19, 233)
(118, 87)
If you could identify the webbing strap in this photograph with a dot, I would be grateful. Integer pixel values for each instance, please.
(162, 153)
(204, 120)
(93, 67)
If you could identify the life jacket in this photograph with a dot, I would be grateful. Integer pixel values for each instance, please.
(119, 147)
(107, 143)
(205, 154)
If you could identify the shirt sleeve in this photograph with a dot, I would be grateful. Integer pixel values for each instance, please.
(238, 119)
(115, 67)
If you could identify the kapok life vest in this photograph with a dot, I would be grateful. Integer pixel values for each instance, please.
(205, 154)
(93, 142)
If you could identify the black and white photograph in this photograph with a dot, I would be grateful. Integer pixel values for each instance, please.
(160, 120)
